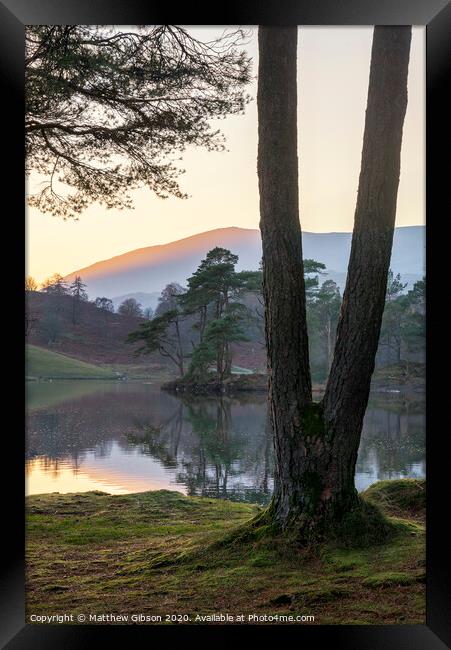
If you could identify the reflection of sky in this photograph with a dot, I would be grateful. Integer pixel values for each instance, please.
(122, 471)
(39, 480)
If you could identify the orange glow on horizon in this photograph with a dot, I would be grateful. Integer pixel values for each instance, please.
(333, 70)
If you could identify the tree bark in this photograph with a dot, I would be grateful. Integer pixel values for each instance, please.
(179, 348)
(329, 344)
(316, 444)
(283, 273)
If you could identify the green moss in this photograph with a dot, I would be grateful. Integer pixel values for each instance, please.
(314, 596)
(365, 525)
(388, 579)
(312, 421)
(99, 553)
(261, 558)
(399, 497)
(347, 565)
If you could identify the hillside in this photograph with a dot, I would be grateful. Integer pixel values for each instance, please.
(148, 270)
(98, 337)
(44, 364)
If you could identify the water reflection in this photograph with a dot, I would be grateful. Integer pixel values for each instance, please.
(131, 437)
(393, 441)
(216, 447)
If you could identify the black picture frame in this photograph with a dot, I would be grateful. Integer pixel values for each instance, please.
(436, 16)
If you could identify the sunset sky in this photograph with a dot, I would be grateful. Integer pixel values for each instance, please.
(333, 70)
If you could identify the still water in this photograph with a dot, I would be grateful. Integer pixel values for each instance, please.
(129, 437)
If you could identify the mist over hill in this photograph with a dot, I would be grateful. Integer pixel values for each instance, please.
(142, 273)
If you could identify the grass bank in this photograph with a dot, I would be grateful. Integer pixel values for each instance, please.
(44, 364)
(152, 372)
(94, 553)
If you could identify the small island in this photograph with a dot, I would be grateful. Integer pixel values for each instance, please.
(235, 383)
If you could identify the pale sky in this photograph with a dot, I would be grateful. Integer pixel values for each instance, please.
(333, 71)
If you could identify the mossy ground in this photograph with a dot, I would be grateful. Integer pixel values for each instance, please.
(96, 553)
(406, 498)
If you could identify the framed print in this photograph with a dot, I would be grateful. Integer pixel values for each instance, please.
(228, 223)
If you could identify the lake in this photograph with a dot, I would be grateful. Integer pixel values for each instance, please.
(121, 437)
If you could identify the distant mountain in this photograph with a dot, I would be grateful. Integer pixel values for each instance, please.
(145, 271)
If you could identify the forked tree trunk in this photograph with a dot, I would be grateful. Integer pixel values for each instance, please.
(316, 444)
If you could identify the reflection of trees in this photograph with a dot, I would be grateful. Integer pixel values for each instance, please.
(55, 439)
(217, 449)
(393, 438)
(229, 458)
(215, 446)
(50, 466)
(160, 441)
(91, 422)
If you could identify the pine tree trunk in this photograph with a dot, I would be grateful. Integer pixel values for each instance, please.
(283, 277)
(228, 360)
(202, 322)
(329, 344)
(179, 352)
(316, 445)
(358, 331)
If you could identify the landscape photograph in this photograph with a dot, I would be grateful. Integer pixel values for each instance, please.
(225, 325)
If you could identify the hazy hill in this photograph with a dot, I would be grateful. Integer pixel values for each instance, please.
(96, 337)
(147, 270)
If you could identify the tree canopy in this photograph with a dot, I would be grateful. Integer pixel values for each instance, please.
(130, 307)
(210, 306)
(105, 304)
(161, 334)
(30, 284)
(109, 110)
(55, 285)
(77, 289)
